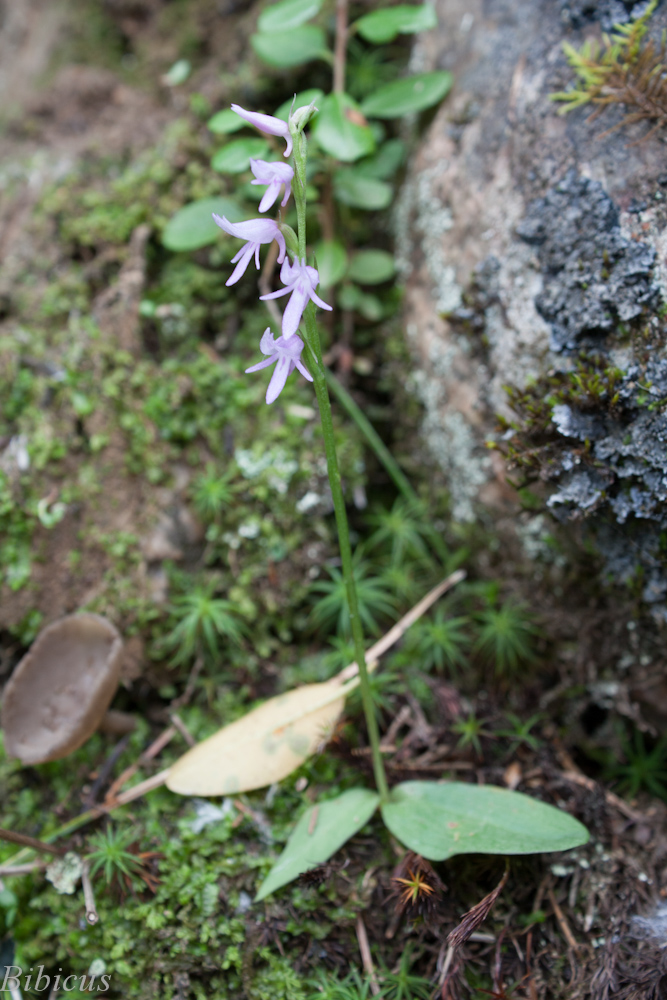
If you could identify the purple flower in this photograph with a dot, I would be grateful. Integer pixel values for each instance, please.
(255, 232)
(288, 356)
(267, 123)
(273, 174)
(301, 280)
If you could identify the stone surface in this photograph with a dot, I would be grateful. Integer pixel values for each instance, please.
(526, 236)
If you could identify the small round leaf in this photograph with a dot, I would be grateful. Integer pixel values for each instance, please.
(415, 93)
(193, 227)
(287, 14)
(382, 26)
(331, 262)
(284, 49)
(341, 130)
(351, 187)
(371, 267)
(234, 158)
(226, 121)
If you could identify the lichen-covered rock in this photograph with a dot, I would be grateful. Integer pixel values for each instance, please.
(593, 276)
(534, 247)
(577, 13)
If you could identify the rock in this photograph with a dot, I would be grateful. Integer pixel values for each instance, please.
(526, 238)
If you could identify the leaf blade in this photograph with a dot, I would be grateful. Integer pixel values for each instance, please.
(439, 821)
(320, 832)
(192, 227)
(340, 129)
(263, 746)
(415, 93)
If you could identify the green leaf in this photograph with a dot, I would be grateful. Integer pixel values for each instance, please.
(331, 261)
(226, 121)
(351, 187)
(284, 49)
(301, 100)
(193, 227)
(371, 267)
(233, 158)
(288, 14)
(340, 129)
(415, 93)
(321, 831)
(383, 164)
(384, 25)
(178, 73)
(439, 821)
(370, 307)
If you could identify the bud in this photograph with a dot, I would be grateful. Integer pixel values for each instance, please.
(299, 119)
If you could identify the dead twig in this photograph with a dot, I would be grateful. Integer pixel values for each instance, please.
(24, 841)
(183, 729)
(395, 633)
(613, 800)
(27, 869)
(92, 916)
(366, 959)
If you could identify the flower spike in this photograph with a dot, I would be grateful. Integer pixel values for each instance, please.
(268, 124)
(300, 280)
(255, 232)
(275, 175)
(288, 357)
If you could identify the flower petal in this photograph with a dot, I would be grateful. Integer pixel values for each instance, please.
(265, 123)
(294, 312)
(242, 265)
(257, 230)
(304, 371)
(278, 379)
(267, 344)
(269, 196)
(275, 295)
(318, 301)
(262, 364)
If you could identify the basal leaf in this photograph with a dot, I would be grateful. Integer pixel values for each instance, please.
(287, 14)
(193, 227)
(263, 746)
(234, 158)
(331, 261)
(341, 130)
(415, 93)
(351, 187)
(371, 267)
(321, 831)
(284, 49)
(384, 25)
(441, 820)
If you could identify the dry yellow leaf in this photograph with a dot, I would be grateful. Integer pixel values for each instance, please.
(263, 746)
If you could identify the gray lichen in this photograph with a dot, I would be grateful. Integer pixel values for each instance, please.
(577, 13)
(593, 276)
(605, 448)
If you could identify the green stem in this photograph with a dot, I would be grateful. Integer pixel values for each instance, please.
(386, 458)
(316, 367)
(372, 436)
(313, 357)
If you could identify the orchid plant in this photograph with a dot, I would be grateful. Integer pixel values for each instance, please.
(434, 820)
